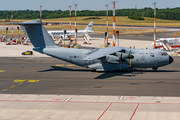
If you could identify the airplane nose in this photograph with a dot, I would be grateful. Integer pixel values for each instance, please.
(170, 59)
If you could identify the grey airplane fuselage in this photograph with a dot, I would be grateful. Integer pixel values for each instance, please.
(143, 58)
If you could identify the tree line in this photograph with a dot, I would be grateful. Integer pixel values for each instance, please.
(168, 13)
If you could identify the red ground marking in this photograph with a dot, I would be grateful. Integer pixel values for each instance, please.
(88, 102)
(131, 97)
(57, 99)
(134, 111)
(104, 111)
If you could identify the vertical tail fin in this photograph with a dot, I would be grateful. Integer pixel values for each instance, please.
(89, 27)
(37, 33)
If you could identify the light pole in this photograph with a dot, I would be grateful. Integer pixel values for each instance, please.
(114, 36)
(75, 23)
(19, 28)
(70, 22)
(107, 24)
(12, 24)
(41, 12)
(154, 24)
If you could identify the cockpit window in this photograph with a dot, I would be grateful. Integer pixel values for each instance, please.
(164, 54)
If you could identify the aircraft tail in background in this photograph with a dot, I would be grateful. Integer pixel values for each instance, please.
(89, 27)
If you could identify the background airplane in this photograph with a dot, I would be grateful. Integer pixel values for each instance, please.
(168, 43)
(103, 59)
(60, 34)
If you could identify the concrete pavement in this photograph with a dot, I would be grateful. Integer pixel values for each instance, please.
(73, 107)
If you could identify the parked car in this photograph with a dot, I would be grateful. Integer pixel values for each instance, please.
(27, 53)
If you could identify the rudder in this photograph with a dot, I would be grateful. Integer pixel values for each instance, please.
(89, 27)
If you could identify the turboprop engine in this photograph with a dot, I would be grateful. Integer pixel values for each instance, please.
(124, 56)
(117, 58)
(112, 59)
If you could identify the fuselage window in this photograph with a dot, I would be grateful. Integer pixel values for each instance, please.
(152, 55)
(164, 54)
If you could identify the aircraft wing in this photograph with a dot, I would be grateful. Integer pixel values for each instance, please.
(103, 52)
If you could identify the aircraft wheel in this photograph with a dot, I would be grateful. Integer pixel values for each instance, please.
(155, 69)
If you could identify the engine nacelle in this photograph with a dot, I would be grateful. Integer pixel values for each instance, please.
(124, 55)
(112, 59)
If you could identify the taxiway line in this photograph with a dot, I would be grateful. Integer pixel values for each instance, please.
(4, 90)
(100, 80)
(21, 82)
(13, 86)
(2, 70)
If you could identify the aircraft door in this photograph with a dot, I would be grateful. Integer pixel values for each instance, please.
(70, 58)
(89, 62)
(142, 61)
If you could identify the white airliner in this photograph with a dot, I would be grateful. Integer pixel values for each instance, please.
(60, 34)
(168, 43)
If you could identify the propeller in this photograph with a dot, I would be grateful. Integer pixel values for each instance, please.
(130, 57)
(123, 55)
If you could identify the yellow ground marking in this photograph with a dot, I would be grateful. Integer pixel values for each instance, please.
(2, 70)
(4, 89)
(59, 65)
(13, 86)
(21, 83)
(70, 65)
(19, 80)
(134, 73)
(128, 35)
(140, 35)
(174, 54)
(33, 80)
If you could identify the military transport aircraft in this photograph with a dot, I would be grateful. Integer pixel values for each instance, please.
(103, 59)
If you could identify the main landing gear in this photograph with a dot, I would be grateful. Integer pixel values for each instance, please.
(154, 69)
